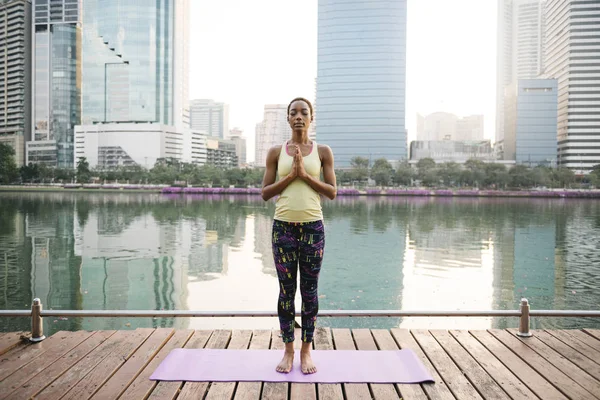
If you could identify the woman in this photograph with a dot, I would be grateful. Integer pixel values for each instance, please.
(293, 172)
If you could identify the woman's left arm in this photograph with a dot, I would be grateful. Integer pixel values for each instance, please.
(328, 186)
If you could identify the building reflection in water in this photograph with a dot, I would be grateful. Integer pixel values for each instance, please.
(148, 251)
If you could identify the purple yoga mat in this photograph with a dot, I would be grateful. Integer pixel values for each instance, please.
(333, 366)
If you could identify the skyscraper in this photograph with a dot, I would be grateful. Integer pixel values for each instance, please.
(56, 81)
(271, 131)
(15, 75)
(361, 79)
(210, 116)
(573, 59)
(520, 55)
(135, 65)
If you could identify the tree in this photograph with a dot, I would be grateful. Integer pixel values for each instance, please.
(594, 176)
(30, 173)
(382, 172)
(495, 175)
(449, 172)
(426, 170)
(541, 176)
(8, 167)
(477, 168)
(83, 170)
(521, 176)
(360, 168)
(404, 174)
(563, 177)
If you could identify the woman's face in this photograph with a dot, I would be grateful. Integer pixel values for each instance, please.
(299, 116)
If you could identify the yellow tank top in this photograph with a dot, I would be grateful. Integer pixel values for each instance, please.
(299, 202)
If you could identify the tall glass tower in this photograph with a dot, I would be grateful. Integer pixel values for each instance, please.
(361, 78)
(134, 61)
(56, 81)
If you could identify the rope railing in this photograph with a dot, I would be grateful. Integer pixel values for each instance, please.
(524, 313)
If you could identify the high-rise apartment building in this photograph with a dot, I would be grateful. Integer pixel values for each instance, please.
(520, 55)
(56, 82)
(446, 126)
(573, 58)
(15, 75)
(361, 78)
(273, 130)
(135, 61)
(210, 116)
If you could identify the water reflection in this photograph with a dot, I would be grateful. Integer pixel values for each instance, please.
(148, 251)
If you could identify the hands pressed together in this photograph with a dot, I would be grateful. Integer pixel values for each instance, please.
(298, 170)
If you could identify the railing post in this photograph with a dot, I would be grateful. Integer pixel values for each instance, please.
(524, 321)
(37, 323)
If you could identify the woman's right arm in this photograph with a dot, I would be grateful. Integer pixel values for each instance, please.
(271, 187)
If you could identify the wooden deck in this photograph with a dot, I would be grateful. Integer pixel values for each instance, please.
(494, 364)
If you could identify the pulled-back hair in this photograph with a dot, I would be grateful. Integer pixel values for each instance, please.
(312, 113)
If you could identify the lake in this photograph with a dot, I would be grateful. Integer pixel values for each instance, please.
(213, 252)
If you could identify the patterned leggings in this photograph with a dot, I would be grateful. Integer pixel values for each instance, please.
(298, 243)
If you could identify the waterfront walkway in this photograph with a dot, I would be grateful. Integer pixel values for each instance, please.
(494, 364)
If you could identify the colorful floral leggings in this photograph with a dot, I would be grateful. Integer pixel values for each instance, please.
(298, 244)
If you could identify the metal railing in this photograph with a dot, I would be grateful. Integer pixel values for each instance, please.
(524, 313)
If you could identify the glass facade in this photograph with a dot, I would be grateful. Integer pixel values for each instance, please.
(536, 122)
(57, 76)
(361, 79)
(128, 59)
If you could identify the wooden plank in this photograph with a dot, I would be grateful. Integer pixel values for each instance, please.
(528, 375)
(302, 391)
(134, 365)
(502, 375)
(109, 365)
(261, 340)
(170, 390)
(479, 378)
(240, 339)
(580, 341)
(458, 384)
(385, 341)
(197, 390)
(53, 347)
(562, 382)
(437, 390)
(275, 390)
(60, 366)
(570, 353)
(75, 373)
(566, 366)
(324, 341)
(594, 333)
(10, 340)
(342, 340)
(364, 341)
(142, 386)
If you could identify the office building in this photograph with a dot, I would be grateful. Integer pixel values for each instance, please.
(107, 146)
(573, 59)
(135, 61)
(447, 126)
(361, 76)
(273, 130)
(451, 151)
(15, 75)
(532, 122)
(520, 55)
(57, 79)
(221, 153)
(211, 117)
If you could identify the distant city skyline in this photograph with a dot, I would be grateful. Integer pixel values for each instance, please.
(266, 53)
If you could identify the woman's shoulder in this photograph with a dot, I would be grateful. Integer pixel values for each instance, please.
(324, 149)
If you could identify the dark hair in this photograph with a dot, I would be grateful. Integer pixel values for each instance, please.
(312, 113)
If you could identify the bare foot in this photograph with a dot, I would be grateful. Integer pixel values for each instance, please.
(286, 363)
(306, 363)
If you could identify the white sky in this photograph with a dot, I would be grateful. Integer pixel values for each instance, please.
(251, 53)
